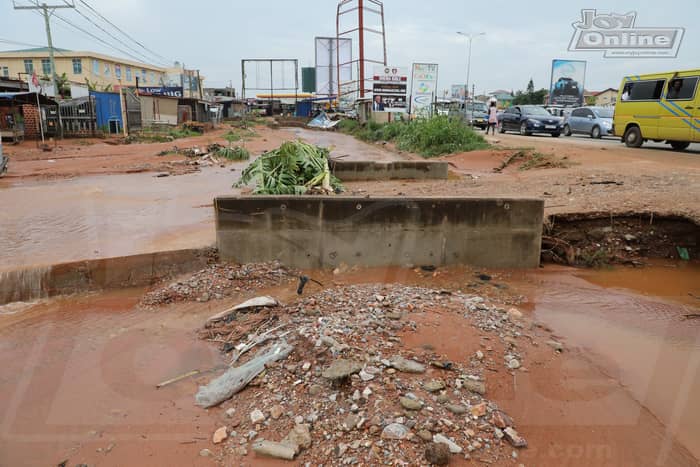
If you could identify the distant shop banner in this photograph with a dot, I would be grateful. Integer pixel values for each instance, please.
(568, 79)
(423, 87)
(391, 84)
(162, 91)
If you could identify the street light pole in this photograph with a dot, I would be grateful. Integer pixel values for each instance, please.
(470, 37)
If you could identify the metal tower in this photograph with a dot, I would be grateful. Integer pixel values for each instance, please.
(357, 30)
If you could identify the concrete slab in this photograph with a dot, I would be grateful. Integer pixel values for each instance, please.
(389, 170)
(323, 232)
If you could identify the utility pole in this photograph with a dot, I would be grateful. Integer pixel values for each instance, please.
(47, 11)
(470, 37)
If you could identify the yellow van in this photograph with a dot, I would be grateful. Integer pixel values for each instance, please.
(659, 107)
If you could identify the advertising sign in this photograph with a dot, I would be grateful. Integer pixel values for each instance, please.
(568, 77)
(458, 91)
(328, 51)
(390, 88)
(161, 91)
(423, 88)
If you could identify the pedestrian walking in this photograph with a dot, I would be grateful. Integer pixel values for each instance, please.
(493, 117)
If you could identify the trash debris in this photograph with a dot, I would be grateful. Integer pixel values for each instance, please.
(257, 302)
(177, 378)
(322, 121)
(235, 379)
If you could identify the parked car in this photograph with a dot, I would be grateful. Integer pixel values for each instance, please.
(529, 119)
(477, 114)
(594, 121)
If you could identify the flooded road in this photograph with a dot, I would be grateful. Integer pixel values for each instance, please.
(348, 148)
(79, 372)
(47, 222)
(78, 382)
(634, 324)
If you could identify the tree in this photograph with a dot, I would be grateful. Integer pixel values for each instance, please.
(530, 87)
(530, 96)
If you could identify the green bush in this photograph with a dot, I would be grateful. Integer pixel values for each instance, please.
(427, 137)
(234, 153)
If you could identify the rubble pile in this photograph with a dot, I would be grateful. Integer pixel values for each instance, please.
(354, 394)
(218, 281)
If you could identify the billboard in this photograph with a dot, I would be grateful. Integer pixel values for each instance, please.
(423, 88)
(328, 55)
(391, 86)
(568, 77)
(458, 91)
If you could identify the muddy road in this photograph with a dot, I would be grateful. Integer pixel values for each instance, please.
(80, 372)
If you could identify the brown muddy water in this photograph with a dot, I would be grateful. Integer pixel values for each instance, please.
(79, 373)
(638, 326)
(48, 222)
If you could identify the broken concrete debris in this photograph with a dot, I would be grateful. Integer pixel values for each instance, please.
(352, 390)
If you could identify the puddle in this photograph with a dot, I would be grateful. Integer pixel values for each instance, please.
(79, 376)
(106, 216)
(632, 323)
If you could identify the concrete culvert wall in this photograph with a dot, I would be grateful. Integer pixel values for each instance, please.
(98, 274)
(349, 171)
(323, 232)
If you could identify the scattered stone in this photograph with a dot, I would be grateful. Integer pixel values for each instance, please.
(478, 410)
(630, 238)
(456, 409)
(368, 373)
(256, 416)
(315, 390)
(306, 366)
(513, 364)
(434, 386)
(558, 346)
(501, 420)
(230, 412)
(220, 435)
(272, 449)
(478, 387)
(406, 366)
(425, 435)
(514, 314)
(205, 453)
(479, 355)
(395, 431)
(437, 454)
(514, 438)
(350, 422)
(342, 369)
(410, 404)
(298, 438)
(443, 398)
(276, 411)
(452, 446)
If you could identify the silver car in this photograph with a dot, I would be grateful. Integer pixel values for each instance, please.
(594, 121)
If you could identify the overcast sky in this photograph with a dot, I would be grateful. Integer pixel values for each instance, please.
(521, 38)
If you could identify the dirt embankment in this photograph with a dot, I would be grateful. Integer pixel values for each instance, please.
(71, 158)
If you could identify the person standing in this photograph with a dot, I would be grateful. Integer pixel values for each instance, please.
(493, 118)
(378, 104)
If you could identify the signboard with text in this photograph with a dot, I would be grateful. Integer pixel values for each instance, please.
(161, 91)
(391, 87)
(423, 88)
